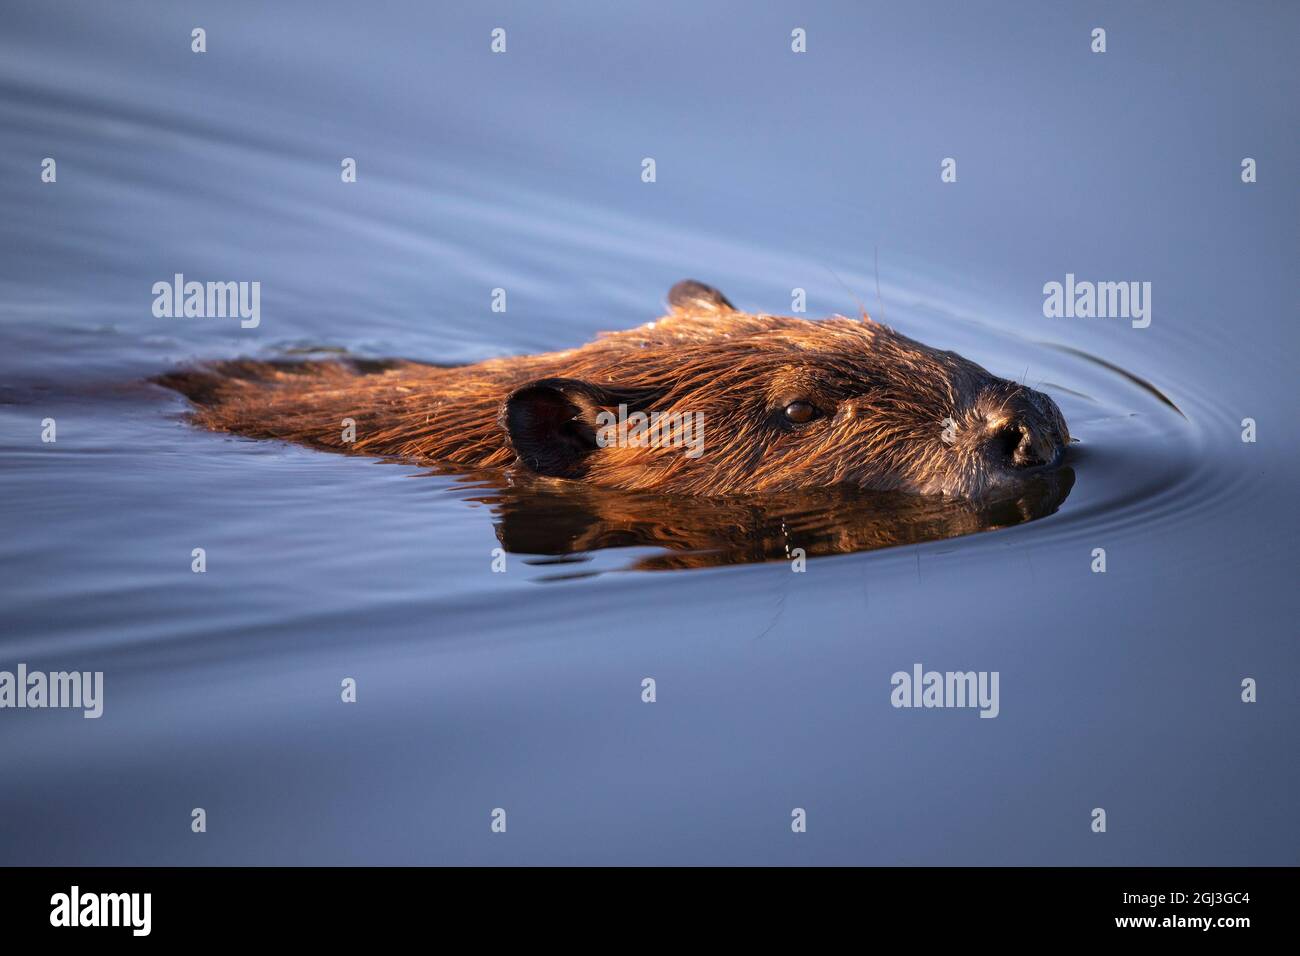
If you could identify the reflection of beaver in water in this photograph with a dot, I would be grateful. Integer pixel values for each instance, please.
(786, 403)
(564, 522)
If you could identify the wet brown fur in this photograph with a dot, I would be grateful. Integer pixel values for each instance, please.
(882, 399)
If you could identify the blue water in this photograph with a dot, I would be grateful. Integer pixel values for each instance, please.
(522, 690)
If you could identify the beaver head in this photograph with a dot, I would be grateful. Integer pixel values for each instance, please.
(754, 403)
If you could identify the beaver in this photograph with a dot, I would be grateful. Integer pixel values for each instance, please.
(782, 403)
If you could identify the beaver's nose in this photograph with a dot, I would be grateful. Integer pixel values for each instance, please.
(1027, 444)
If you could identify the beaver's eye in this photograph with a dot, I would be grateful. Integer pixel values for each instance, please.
(800, 413)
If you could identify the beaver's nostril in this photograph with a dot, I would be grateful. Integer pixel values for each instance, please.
(1022, 448)
(1008, 439)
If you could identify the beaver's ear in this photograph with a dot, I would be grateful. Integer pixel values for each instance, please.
(551, 424)
(691, 296)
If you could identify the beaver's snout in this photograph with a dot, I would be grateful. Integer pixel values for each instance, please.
(1030, 434)
(1024, 446)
